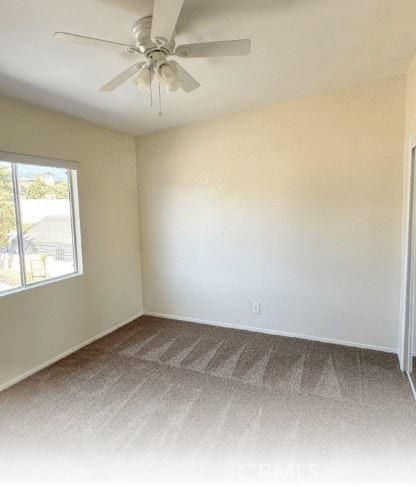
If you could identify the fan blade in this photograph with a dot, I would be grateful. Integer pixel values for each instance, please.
(165, 16)
(92, 41)
(186, 81)
(239, 47)
(122, 77)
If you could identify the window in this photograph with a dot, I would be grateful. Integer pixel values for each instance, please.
(39, 221)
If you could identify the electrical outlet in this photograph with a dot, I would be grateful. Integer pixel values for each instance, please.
(256, 308)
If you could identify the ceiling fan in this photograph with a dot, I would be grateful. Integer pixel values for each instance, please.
(155, 40)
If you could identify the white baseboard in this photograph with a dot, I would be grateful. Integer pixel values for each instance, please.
(273, 332)
(66, 353)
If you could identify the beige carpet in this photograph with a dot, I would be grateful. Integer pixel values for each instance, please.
(165, 400)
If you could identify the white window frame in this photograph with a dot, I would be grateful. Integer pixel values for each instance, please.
(72, 167)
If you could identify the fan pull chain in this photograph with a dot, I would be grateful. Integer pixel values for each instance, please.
(150, 88)
(160, 103)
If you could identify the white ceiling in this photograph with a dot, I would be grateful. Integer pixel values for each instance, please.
(299, 47)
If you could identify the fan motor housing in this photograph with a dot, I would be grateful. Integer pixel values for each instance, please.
(142, 33)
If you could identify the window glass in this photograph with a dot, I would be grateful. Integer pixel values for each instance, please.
(46, 222)
(10, 276)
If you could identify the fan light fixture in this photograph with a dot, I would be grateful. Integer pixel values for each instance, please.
(162, 71)
(166, 72)
(143, 81)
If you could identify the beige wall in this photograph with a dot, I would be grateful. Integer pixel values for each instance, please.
(297, 206)
(38, 324)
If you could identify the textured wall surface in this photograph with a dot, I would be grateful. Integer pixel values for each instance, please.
(297, 206)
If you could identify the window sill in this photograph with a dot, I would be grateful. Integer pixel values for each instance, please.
(39, 284)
